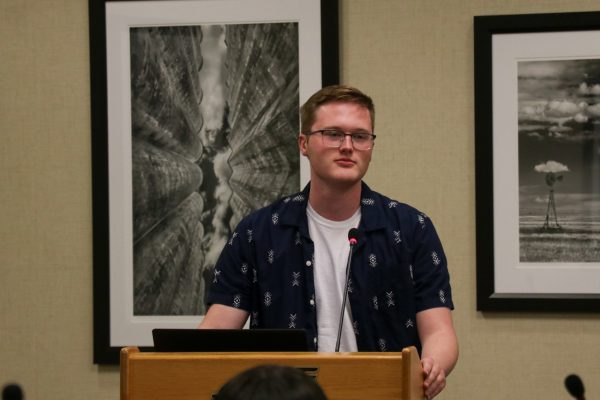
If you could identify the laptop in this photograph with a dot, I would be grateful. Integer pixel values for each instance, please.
(223, 340)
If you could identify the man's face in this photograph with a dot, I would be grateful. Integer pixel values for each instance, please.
(337, 166)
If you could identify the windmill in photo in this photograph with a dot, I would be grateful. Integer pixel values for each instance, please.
(553, 174)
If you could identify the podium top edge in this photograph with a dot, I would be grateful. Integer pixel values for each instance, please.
(264, 355)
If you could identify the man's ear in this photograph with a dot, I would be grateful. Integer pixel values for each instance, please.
(303, 144)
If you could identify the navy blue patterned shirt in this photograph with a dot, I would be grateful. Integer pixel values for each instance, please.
(398, 269)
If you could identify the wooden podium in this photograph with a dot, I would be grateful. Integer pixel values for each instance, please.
(197, 376)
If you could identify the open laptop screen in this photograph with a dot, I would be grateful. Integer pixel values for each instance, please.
(222, 340)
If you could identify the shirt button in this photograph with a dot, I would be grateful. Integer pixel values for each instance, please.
(315, 340)
(308, 263)
(312, 302)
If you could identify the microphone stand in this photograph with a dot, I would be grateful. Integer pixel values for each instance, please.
(339, 335)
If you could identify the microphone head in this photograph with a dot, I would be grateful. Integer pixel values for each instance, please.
(12, 391)
(353, 236)
(574, 386)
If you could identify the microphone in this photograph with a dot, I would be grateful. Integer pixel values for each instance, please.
(574, 386)
(12, 391)
(353, 237)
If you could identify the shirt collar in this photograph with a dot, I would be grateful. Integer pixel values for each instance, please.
(373, 217)
(372, 210)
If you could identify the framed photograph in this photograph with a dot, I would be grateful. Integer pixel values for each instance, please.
(194, 125)
(537, 157)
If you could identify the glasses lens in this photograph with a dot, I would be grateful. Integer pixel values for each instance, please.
(335, 138)
(332, 138)
(361, 141)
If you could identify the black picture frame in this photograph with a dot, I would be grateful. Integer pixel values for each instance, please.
(104, 352)
(486, 28)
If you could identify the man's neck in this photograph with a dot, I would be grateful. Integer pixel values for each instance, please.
(336, 203)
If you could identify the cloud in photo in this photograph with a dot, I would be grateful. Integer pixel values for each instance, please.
(551, 166)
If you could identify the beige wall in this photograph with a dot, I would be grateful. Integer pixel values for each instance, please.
(415, 57)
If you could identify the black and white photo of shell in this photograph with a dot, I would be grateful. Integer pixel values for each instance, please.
(214, 128)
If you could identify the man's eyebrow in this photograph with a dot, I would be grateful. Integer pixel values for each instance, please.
(337, 128)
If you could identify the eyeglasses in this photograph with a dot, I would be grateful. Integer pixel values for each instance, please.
(335, 138)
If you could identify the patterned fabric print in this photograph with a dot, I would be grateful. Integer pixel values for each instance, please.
(421, 219)
(442, 297)
(268, 299)
(216, 276)
(390, 299)
(436, 260)
(292, 324)
(382, 345)
(367, 202)
(372, 260)
(235, 234)
(295, 278)
(398, 269)
(271, 256)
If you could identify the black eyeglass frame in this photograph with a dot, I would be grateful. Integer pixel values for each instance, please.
(321, 131)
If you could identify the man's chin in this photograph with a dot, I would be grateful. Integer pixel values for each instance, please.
(346, 180)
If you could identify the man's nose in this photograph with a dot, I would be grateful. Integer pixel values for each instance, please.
(347, 143)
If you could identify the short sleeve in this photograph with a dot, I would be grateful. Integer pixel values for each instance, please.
(234, 271)
(430, 267)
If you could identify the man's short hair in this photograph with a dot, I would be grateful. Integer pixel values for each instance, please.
(272, 382)
(333, 94)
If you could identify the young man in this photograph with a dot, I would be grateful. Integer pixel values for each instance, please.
(284, 266)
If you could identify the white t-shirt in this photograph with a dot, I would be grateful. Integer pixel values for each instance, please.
(331, 256)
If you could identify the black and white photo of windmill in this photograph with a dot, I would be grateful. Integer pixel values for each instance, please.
(559, 160)
(214, 127)
(553, 174)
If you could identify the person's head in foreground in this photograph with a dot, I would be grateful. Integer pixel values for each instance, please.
(271, 382)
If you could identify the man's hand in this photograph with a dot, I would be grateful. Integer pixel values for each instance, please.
(435, 377)
(439, 348)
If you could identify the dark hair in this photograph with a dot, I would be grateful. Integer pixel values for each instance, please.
(12, 391)
(331, 94)
(271, 382)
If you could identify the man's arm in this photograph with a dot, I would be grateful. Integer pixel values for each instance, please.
(440, 347)
(220, 316)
